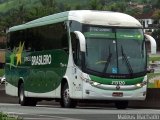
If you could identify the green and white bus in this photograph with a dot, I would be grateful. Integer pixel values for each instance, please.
(77, 55)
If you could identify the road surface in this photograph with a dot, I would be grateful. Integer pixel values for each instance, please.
(50, 112)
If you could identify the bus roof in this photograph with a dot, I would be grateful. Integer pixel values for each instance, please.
(105, 18)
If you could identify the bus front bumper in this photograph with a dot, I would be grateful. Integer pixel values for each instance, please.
(95, 92)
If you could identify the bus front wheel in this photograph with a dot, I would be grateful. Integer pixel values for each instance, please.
(66, 101)
(121, 104)
(23, 100)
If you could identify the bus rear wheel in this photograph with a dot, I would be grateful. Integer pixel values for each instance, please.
(121, 104)
(25, 101)
(66, 101)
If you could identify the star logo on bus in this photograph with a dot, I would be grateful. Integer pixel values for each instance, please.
(19, 53)
(12, 57)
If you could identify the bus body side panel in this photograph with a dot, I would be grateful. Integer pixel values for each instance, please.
(41, 71)
(11, 89)
(75, 82)
(45, 78)
(38, 56)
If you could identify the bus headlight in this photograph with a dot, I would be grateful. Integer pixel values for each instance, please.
(85, 77)
(95, 83)
(138, 85)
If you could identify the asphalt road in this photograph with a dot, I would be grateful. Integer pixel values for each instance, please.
(6, 98)
(152, 100)
(2, 87)
(52, 111)
(48, 112)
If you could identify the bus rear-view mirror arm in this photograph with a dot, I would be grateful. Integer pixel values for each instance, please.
(82, 41)
(152, 42)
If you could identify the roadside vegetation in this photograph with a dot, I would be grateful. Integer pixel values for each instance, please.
(1, 74)
(9, 117)
(15, 12)
(154, 58)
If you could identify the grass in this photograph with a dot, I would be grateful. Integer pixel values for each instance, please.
(9, 117)
(151, 85)
(151, 76)
(156, 58)
(1, 72)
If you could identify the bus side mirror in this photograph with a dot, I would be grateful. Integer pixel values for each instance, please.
(152, 42)
(82, 41)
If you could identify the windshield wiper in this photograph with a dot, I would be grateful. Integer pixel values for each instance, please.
(127, 61)
(108, 61)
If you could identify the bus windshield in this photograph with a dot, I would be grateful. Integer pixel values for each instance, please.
(115, 52)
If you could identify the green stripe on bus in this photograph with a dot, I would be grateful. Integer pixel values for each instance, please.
(108, 81)
(99, 34)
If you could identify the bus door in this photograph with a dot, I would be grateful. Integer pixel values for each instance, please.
(77, 66)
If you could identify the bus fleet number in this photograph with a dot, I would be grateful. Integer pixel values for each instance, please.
(118, 82)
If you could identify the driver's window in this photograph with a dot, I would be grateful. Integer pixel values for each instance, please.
(76, 50)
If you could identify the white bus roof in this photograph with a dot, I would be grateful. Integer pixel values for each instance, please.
(105, 18)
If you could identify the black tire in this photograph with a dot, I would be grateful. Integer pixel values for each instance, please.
(66, 101)
(25, 101)
(121, 104)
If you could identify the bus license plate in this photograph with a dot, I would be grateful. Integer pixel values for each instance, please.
(117, 94)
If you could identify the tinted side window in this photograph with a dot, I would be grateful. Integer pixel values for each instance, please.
(17, 38)
(48, 37)
(41, 38)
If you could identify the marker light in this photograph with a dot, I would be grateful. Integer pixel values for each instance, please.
(85, 77)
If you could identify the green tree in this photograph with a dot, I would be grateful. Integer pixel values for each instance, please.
(118, 7)
(147, 9)
(2, 26)
(78, 7)
(47, 7)
(95, 5)
(48, 3)
(133, 11)
(156, 4)
(156, 15)
(20, 14)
